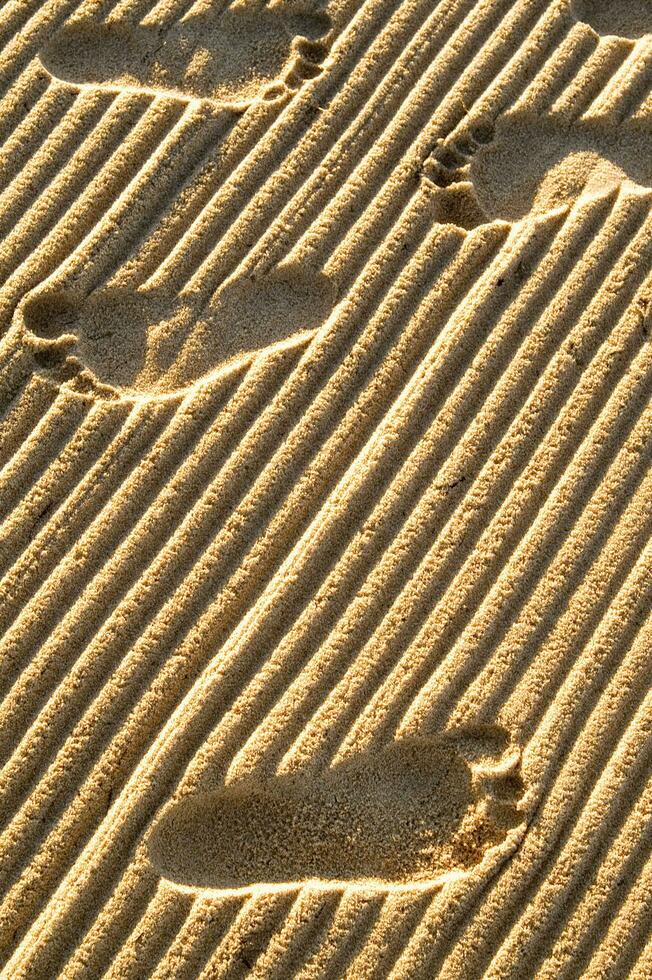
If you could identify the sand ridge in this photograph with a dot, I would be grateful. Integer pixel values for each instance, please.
(276, 557)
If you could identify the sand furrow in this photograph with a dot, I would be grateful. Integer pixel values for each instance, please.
(33, 131)
(573, 625)
(566, 64)
(115, 578)
(348, 173)
(625, 947)
(51, 230)
(87, 443)
(598, 734)
(247, 938)
(13, 18)
(478, 33)
(447, 489)
(191, 130)
(504, 67)
(150, 717)
(450, 680)
(623, 779)
(88, 111)
(171, 225)
(32, 569)
(302, 930)
(184, 179)
(350, 926)
(155, 935)
(596, 76)
(80, 115)
(203, 929)
(116, 927)
(143, 423)
(16, 368)
(627, 88)
(394, 925)
(245, 176)
(91, 556)
(201, 934)
(44, 17)
(45, 442)
(441, 496)
(425, 640)
(19, 99)
(320, 926)
(618, 882)
(30, 403)
(135, 661)
(115, 151)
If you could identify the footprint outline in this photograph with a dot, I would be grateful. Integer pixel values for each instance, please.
(186, 56)
(460, 165)
(490, 787)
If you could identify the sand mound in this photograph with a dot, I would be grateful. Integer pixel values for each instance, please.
(325, 481)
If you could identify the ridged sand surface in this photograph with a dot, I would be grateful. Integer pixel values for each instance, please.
(325, 489)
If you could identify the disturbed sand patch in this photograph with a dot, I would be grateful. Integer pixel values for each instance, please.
(150, 341)
(435, 513)
(626, 18)
(229, 54)
(529, 165)
(415, 814)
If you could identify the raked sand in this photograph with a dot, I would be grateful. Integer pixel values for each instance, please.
(326, 489)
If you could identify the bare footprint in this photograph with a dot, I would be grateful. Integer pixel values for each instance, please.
(626, 18)
(230, 54)
(533, 165)
(418, 813)
(148, 341)
(447, 170)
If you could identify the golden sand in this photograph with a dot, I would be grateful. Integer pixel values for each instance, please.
(325, 448)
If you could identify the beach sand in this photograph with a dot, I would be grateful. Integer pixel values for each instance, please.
(325, 489)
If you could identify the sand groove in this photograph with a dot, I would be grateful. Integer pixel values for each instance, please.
(366, 461)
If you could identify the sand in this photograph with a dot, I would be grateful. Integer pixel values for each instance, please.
(325, 448)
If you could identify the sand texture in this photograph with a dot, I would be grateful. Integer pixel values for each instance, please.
(326, 489)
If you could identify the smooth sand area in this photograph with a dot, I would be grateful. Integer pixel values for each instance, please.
(325, 489)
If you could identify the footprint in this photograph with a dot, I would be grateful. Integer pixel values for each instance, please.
(447, 170)
(626, 18)
(534, 165)
(230, 55)
(418, 813)
(123, 341)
